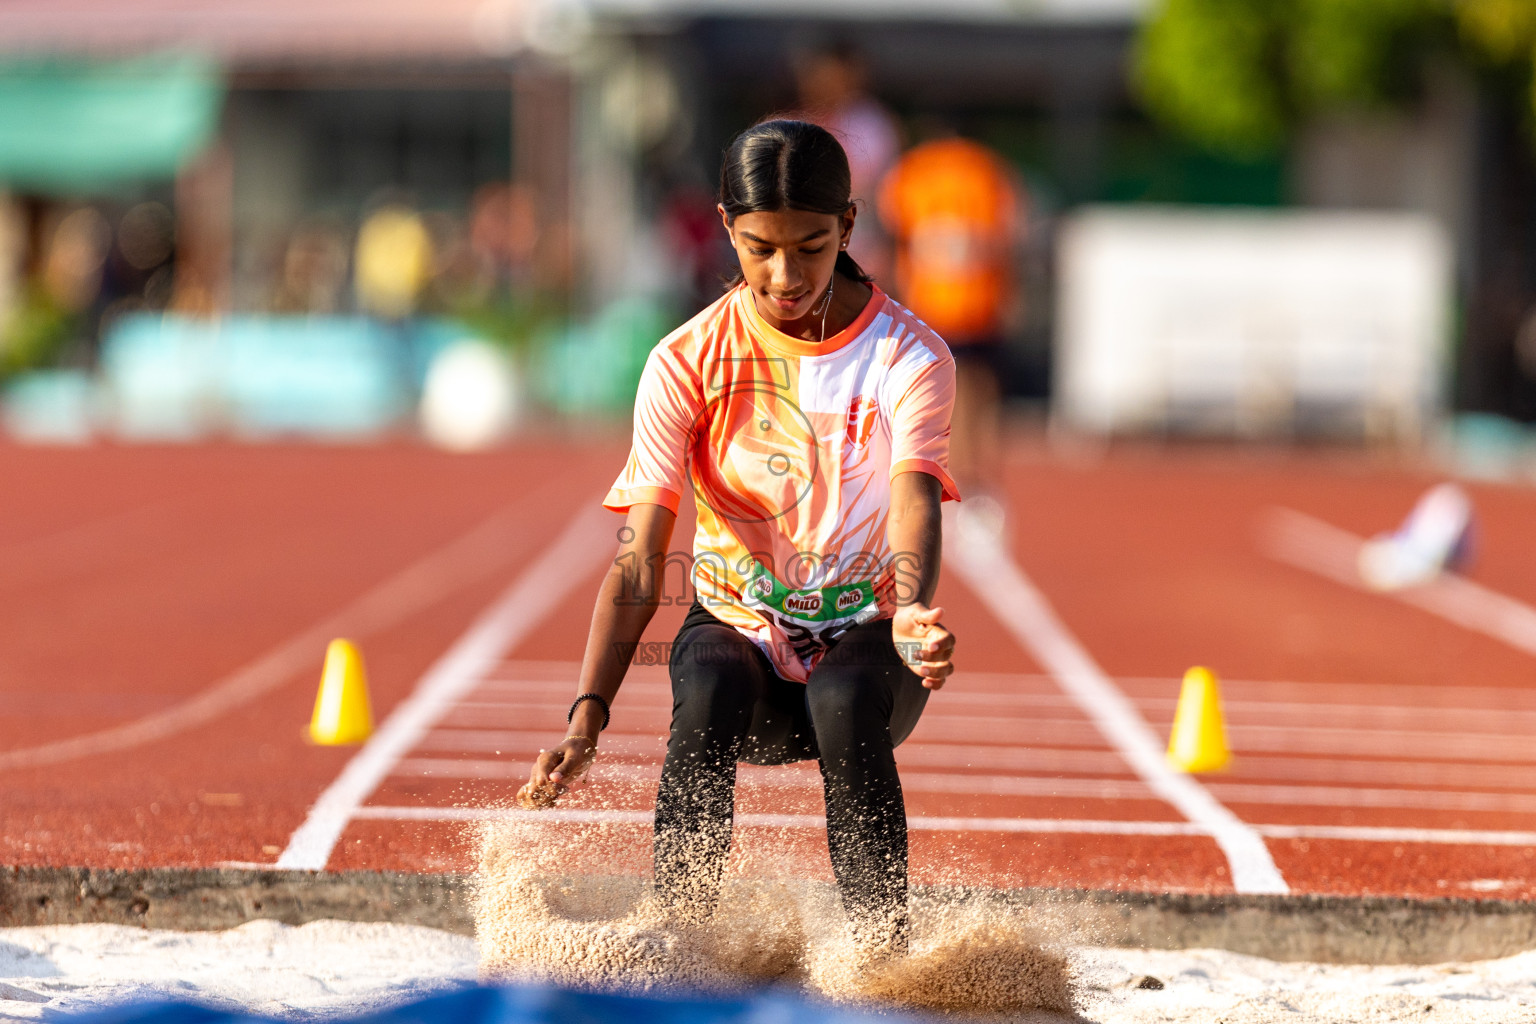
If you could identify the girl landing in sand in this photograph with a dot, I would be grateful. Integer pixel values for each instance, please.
(809, 415)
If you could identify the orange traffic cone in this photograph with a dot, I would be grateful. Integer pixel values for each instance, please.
(342, 711)
(1199, 739)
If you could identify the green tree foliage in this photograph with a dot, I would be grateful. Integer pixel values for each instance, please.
(1237, 75)
(34, 332)
(1503, 30)
(1211, 69)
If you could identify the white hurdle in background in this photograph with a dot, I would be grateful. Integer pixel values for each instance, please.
(1309, 543)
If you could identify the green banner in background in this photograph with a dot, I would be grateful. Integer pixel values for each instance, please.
(70, 125)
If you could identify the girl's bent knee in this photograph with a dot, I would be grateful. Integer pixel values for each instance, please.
(847, 696)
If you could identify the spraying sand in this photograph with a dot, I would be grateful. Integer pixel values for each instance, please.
(606, 933)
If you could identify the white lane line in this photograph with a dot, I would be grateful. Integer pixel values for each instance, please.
(545, 707)
(989, 569)
(1350, 796)
(1427, 745)
(528, 691)
(753, 777)
(548, 718)
(89, 545)
(1035, 786)
(1373, 834)
(488, 741)
(990, 735)
(1386, 694)
(471, 557)
(1343, 695)
(1052, 760)
(1320, 547)
(912, 754)
(1387, 718)
(920, 824)
(1258, 696)
(554, 815)
(1442, 775)
(1243, 709)
(564, 564)
(650, 773)
(1334, 738)
(454, 768)
(1065, 826)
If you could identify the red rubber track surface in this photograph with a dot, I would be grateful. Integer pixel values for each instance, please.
(1152, 557)
(133, 579)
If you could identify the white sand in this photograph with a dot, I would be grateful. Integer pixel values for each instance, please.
(327, 968)
(331, 968)
(1207, 986)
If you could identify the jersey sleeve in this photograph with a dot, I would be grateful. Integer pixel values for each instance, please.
(666, 408)
(920, 425)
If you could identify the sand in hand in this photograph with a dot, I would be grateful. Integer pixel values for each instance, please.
(536, 919)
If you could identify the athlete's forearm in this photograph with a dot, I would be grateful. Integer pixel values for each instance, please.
(626, 602)
(914, 530)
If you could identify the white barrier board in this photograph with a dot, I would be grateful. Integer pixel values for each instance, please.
(1251, 323)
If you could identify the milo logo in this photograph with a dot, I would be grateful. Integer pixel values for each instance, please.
(763, 585)
(802, 604)
(849, 599)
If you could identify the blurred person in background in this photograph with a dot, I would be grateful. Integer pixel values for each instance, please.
(393, 261)
(458, 280)
(313, 277)
(833, 85)
(504, 233)
(13, 240)
(1525, 344)
(62, 286)
(956, 210)
(692, 233)
(141, 268)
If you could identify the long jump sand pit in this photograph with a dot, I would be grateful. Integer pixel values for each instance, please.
(330, 969)
(973, 957)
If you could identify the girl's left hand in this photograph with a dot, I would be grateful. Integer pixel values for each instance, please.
(923, 642)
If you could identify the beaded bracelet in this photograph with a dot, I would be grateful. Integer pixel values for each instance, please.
(603, 703)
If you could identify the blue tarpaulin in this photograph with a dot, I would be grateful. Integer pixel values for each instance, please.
(539, 1005)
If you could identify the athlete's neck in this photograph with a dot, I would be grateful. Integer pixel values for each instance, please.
(849, 297)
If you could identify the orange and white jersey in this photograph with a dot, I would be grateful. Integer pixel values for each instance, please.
(789, 447)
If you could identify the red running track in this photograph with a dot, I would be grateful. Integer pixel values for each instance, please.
(165, 611)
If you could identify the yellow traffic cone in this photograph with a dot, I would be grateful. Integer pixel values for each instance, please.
(342, 711)
(1199, 739)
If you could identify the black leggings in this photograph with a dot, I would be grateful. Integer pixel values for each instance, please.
(729, 706)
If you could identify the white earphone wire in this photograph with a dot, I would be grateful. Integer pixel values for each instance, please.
(826, 307)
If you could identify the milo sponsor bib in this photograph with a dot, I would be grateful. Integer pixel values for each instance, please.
(811, 618)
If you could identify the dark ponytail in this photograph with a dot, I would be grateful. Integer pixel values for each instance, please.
(788, 165)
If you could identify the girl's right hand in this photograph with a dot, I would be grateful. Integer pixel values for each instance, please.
(554, 771)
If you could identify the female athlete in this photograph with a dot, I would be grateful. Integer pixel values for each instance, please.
(808, 414)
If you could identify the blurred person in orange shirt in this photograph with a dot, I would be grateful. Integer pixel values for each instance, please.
(955, 209)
